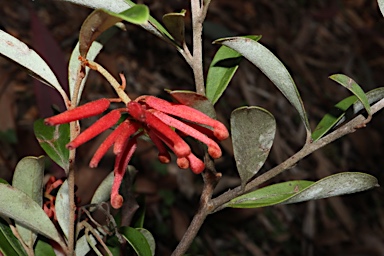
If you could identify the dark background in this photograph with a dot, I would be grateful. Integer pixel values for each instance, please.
(314, 39)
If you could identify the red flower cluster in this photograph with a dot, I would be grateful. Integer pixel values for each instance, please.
(154, 117)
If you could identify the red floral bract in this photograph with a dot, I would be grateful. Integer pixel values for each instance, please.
(148, 115)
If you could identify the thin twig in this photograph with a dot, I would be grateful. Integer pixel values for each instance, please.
(74, 130)
(197, 61)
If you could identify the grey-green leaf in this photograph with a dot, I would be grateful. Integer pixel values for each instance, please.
(103, 192)
(117, 6)
(62, 208)
(82, 246)
(341, 109)
(351, 85)
(223, 67)
(253, 130)
(174, 22)
(28, 178)
(335, 185)
(381, 6)
(302, 190)
(19, 52)
(17, 205)
(272, 67)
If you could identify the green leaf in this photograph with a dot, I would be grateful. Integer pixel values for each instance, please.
(174, 22)
(223, 67)
(272, 67)
(150, 239)
(19, 52)
(103, 192)
(62, 208)
(337, 114)
(43, 248)
(302, 190)
(9, 245)
(253, 130)
(117, 6)
(17, 205)
(53, 140)
(137, 14)
(351, 85)
(137, 240)
(28, 178)
(194, 100)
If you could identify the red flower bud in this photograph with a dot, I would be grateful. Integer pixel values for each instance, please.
(188, 113)
(121, 164)
(213, 148)
(98, 127)
(92, 108)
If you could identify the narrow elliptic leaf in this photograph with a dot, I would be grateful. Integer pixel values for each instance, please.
(117, 6)
(381, 6)
(19, 52)
(93, 26)
(194, 100)
(253, 130)
(53, 140)
(335, 185)
(272, 67)
(43, 248)
(103, 192)
(269, 195)
(28, 178)
(302, 190)
(137, 14)
(62, 208)
(9, 245)
(223, 67)
(20, 207)
(351, 85)
(150, 239)
(337, 115)
(174, 22)
(137, 240)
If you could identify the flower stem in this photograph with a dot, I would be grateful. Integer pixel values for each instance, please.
(118, 88)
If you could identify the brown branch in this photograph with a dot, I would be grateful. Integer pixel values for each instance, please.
(74, 130)
(211, 178)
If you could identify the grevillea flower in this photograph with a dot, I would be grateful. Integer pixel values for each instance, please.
(148, 115)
